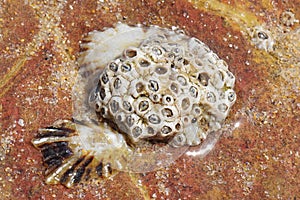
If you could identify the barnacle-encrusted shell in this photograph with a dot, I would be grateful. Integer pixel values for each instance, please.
(142, 97)
(161, 85)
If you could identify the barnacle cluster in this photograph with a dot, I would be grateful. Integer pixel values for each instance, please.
(170, 88)
(142, 97)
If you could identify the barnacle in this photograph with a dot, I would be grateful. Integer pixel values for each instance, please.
(262, 38)
(287, 18)
(143, 96)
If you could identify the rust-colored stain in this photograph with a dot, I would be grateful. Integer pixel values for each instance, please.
(258, 158)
